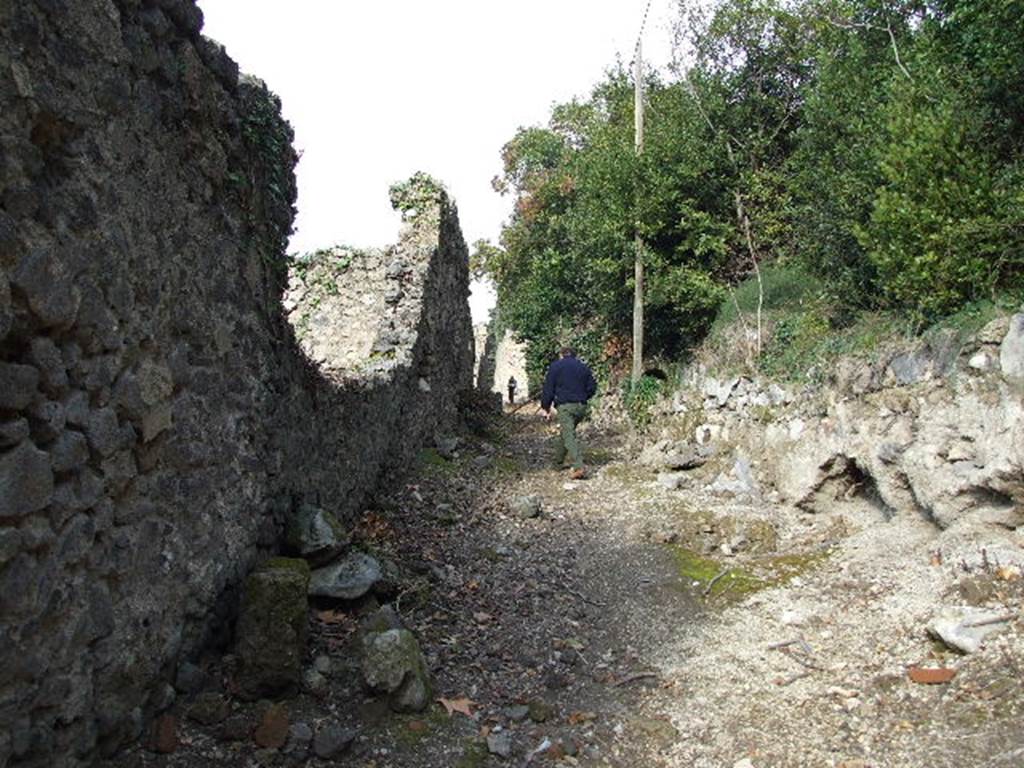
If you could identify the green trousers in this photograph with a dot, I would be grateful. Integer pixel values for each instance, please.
(569, 415)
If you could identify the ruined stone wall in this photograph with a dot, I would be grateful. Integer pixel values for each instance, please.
(157, 417)
(499, 358)
(935, 430)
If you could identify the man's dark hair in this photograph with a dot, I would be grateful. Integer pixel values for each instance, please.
(567, 352)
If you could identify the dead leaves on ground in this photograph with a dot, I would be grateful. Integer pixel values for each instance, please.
(462, 705)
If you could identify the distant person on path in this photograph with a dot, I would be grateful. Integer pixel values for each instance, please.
(512, 384)
(568, 386)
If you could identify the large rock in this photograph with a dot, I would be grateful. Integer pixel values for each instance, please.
(525, 507)
(966, 628)
(1011, 351)
(315, 535)
(348, 579)
(270, 636)
(393, 663)
(26, 481)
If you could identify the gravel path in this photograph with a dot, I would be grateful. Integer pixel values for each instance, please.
(632, 625)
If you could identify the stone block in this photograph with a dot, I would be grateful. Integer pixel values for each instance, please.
(69, 452)
(393, 663)
(138, 391)
(47, 357)
(315, 534)
(45, 282)
(19, 385)
(103, 431)
(47, 420)
(26, 481)
(270, 636)
(76, 409)
(348, 579)
(13, 432)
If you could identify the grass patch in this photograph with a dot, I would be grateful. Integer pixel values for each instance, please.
(430, 459)
(505, 465)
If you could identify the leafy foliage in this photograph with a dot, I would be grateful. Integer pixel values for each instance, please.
(865, 156)
(641, 397)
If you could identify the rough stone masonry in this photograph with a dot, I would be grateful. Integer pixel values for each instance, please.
(158, 418)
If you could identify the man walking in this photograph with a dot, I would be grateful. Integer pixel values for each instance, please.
(568, 386)
(512, 385)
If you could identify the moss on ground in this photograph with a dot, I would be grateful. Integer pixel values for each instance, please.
(474, 755)
(736, 581)
(703, 570)
(410, 731)
(433, 461)
(788, 567)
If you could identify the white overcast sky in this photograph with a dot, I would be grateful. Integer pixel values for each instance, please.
(379, 90)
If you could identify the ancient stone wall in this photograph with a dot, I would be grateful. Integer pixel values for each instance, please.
(497, 359)
(158, 419)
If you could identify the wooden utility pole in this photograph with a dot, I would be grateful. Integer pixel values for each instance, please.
(638, 243)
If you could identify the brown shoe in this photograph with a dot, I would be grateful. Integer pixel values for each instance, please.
(579, 474)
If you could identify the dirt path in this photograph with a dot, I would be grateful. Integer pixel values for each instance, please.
(630, 625)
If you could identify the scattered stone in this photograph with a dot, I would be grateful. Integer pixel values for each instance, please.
(446, 446)
(518, 713)
(323, 664)
(272, 732)
(331, 740)
(500, 743)
(526, 507)
(236, 728)
(965, 628)
(981, 361)
(348, 579)
(316, 535)
(299, 737)
(568, 747)
(393, 663)
(539, 711)
(671, 480)
(381, 620)
(659, 730)
(209, 708)
(314, 682)
(271, 629)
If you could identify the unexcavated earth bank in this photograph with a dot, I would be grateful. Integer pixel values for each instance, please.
(158, 416)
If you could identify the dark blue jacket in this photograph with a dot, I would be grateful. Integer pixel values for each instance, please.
(568, 381)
